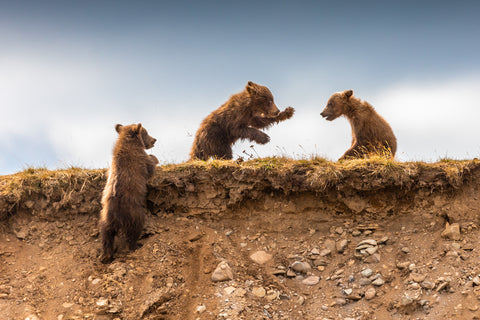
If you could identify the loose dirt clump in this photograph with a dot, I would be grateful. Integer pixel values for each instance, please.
(357, 239)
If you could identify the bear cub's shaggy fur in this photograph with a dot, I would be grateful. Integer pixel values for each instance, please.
(124, 196)
(371, 134)
(240, 117)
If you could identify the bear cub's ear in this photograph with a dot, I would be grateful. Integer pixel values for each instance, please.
(348, 93)
(251, 87)
(118, 128)
(138, 128)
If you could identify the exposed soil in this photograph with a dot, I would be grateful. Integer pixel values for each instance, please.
(202, 213)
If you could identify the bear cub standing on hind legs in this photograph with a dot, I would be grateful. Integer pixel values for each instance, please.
(371, 134)
(240, 117)
(124, 196)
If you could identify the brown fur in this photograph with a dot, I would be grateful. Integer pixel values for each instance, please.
(124, 196)
(240, 117)
(371, 134)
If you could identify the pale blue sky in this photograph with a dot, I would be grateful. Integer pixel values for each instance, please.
(69, 71)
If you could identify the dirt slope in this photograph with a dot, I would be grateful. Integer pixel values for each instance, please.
(353, 240)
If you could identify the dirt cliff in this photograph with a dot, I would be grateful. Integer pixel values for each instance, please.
(359, 239)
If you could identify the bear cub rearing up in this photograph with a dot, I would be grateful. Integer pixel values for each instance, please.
(240, 117)
(371, 134)
(124, 196)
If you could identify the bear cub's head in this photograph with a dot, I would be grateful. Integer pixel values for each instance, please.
(262, 104)
(336, 105)
(137, 133)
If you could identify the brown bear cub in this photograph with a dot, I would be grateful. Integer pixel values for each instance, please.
(124, 196)
(240, 117)
(371, 134)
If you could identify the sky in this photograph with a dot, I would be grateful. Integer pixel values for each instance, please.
(71, 70)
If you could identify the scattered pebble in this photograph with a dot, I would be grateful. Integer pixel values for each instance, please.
(261, 257)
(311, 280)
(223, 272)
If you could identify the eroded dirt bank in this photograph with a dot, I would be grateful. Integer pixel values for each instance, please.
(311, 218)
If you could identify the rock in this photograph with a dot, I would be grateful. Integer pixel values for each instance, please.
(370, 293)
(348, 291)
(339, 230)
(417, 277)
(325, 252)
(67, 305)
(314, 251)
(378, 282)
(229, 290)
(290, 273)
(300, 266)
(452, 231)
(383, 240)
(366, 272)
(259, 292)
(403, 265)
(364, 282)
(102, 302)
(261, 257)
(329, 244)
(320, 262)
(476, 280)
(374, 258)
(311, 280)
(201, 309)
(223, 272)
(21, 233)
(427, 285)
(366, 248)
(341, 245)
(195, 236)
(340, 302)
(405, 250)
(272, 295)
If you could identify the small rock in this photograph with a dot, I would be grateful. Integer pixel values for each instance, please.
(339, 230)
(223, 272)
(364, 282)
(370, 293)
(102, 302)
(476, 280)
(340, 302)
(403, 265)
(259, 292)
(325, 252)
(21, 233)
(96, 281)
(378, 282)
(311, 280)
(314, 251)
(356, 233)
(374, 258)
(320, 262)
(329, 244)
(300, 266)
(341, 245)
(405, 250)
(383, 240)
(452, 231)
(201, 309)
(366, 272)
(417, 277)
(427, 285)
(261, 257)
(67, 305)
(290, 273)
(348, 291)
(229, 290)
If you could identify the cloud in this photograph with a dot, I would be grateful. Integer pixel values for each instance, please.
(60, 112)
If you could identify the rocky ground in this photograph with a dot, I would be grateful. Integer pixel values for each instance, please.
(268, 257)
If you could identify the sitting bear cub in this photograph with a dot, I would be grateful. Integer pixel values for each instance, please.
(371, 134)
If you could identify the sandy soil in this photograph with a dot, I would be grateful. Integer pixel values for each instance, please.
(317, 264)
